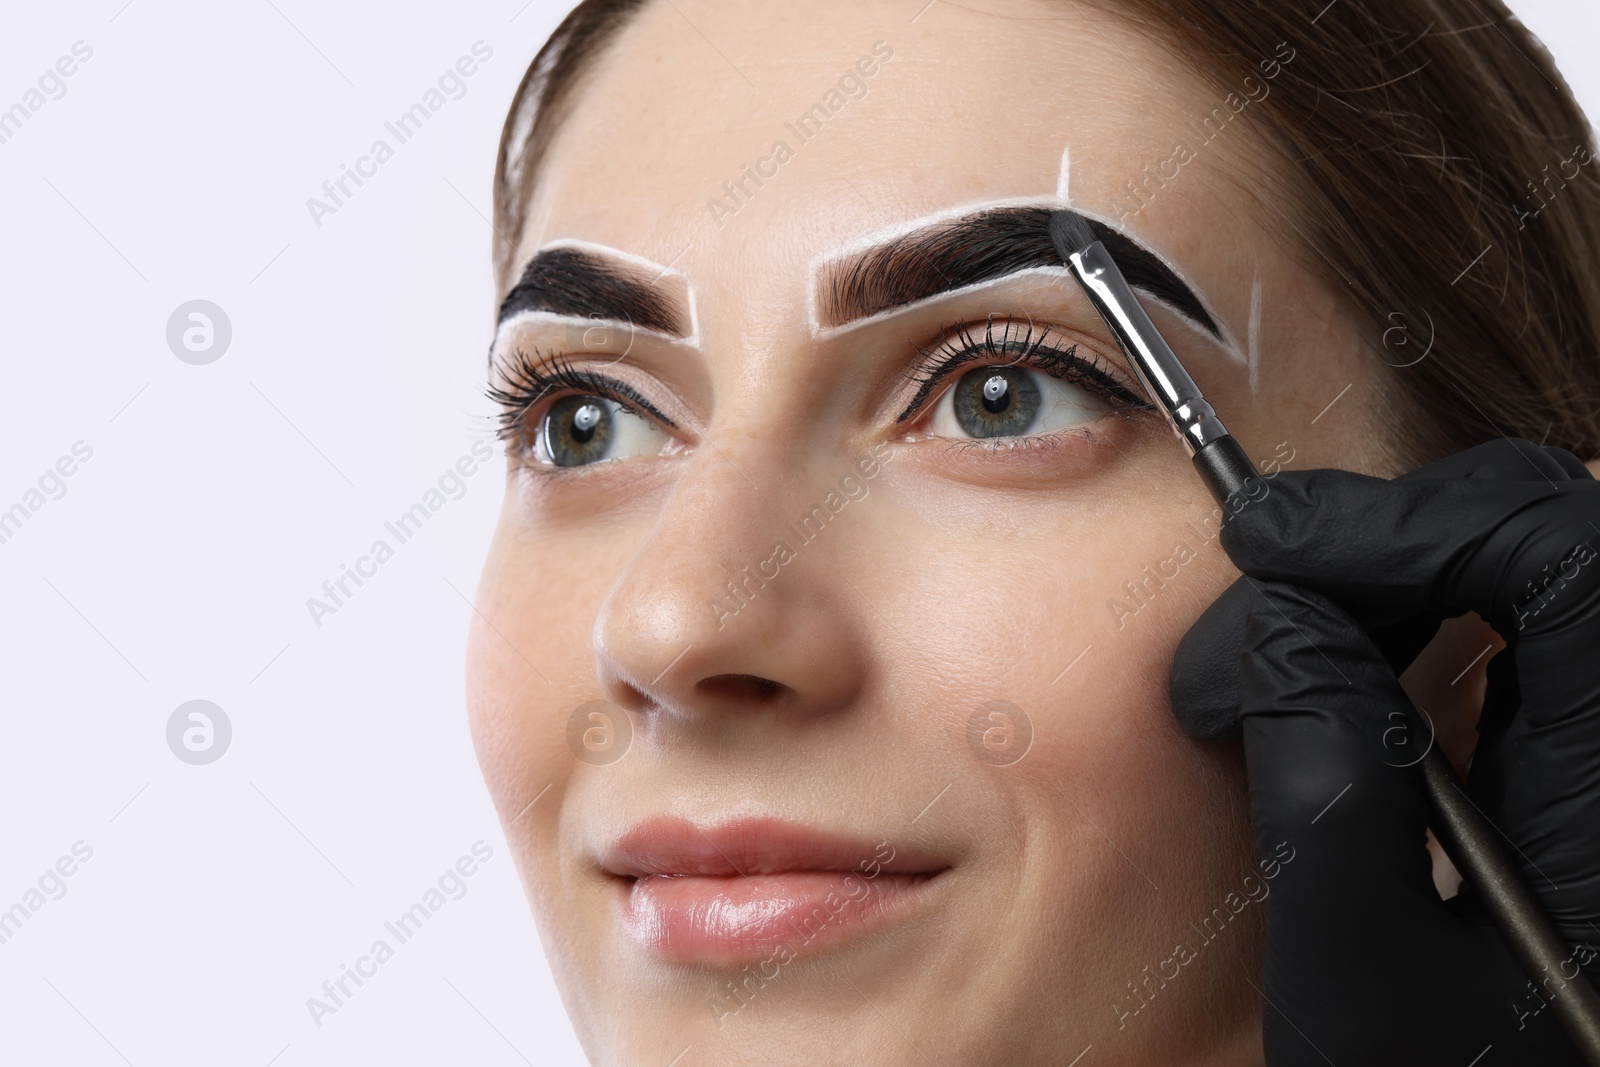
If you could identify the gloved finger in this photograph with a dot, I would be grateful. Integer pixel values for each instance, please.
(1340, 814)
(1540, 784)
(1508, 459)
(1204, 680)
(1333, 757)
(1204, 683)
(1452, 544)
(1523, 555)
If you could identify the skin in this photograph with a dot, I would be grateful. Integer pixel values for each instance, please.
(966, 574)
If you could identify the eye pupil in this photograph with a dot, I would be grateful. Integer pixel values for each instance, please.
(997, 402)
(578, 430)
(584, 420)
(996, 394)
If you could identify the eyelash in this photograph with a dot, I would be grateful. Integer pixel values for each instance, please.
(1019, 343)
(528, 380)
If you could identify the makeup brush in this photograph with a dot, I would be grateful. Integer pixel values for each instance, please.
(1471, 842)
(1221, 461)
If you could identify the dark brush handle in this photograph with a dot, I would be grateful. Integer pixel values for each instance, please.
(1225, 468)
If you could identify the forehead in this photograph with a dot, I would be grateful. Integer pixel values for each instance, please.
(745, 144)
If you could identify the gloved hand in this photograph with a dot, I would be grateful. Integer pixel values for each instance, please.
(1346, 578)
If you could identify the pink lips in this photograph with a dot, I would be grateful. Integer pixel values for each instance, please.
(742, 890)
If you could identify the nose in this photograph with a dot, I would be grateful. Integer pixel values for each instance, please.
(739, 600)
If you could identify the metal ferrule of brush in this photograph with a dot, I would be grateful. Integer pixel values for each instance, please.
(1158, 368)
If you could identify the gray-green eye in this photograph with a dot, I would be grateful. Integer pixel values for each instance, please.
(580, 430)
(1012, 401)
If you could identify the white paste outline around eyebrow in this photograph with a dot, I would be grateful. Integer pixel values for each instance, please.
(890, 233)
(889, 313)
(1226, 338)
(610, 252)
(1025, 273)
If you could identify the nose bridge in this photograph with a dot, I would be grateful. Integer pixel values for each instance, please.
(735, 582)
(715, 525)
(795, 507)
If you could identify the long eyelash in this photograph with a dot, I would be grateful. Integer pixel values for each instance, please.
(523, 381)
(1013, 343)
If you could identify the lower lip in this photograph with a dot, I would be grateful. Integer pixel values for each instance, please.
(716, 919)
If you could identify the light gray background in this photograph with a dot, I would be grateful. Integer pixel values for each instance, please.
(177, 565)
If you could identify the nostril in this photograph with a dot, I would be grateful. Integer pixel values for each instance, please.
(743, 687)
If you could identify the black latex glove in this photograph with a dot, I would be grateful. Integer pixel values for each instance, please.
(1346, 577)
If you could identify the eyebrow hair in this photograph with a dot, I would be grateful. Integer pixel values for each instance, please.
(977, 248)
(570, 281)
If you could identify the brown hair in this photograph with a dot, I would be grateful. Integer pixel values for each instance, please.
(1442, 178)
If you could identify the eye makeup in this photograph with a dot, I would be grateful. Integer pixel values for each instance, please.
(565, 282)
(594, 416)
(1013, 343)
(523, 381)
(1003, 382)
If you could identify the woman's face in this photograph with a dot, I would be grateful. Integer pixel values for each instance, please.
(875, 558)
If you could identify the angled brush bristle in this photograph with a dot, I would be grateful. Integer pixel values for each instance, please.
(1071, 233)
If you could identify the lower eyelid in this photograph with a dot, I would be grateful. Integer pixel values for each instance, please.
(1018, 443)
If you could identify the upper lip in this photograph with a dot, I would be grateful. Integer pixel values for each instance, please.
(668, 845)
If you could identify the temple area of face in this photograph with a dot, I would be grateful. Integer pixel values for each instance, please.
(586, 283)
(986, 245)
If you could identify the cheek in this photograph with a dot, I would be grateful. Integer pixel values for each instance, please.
(1077, 629)
(1068, 605)
(1112, 830)
(527, 667)
(1060, 599)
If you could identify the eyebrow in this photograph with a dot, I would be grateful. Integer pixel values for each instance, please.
(570, 281)
(981, 247)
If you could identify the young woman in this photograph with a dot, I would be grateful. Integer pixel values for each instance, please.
(821, 670)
